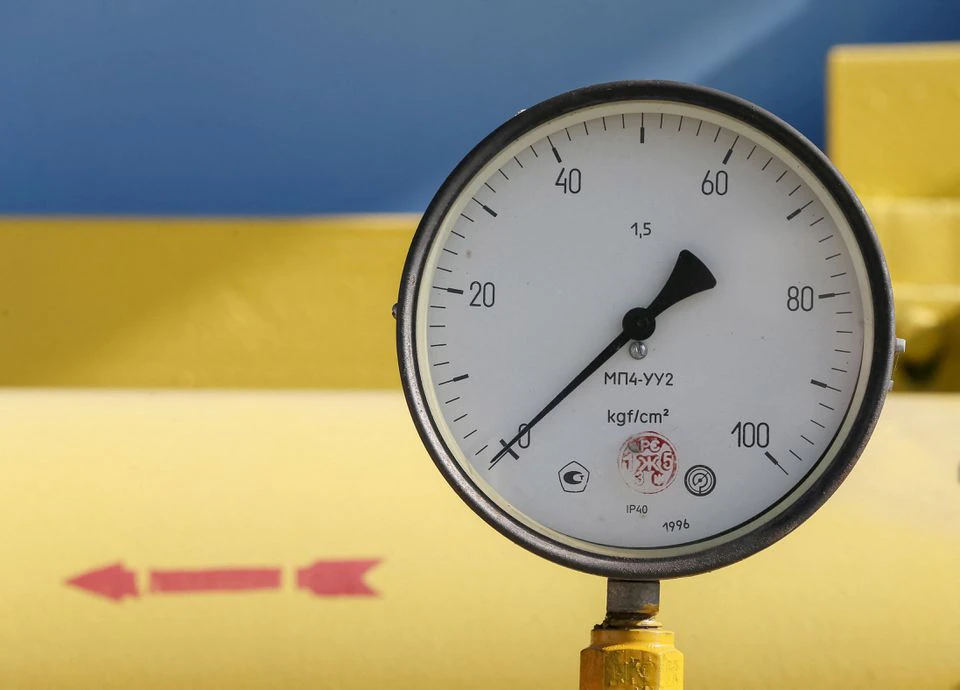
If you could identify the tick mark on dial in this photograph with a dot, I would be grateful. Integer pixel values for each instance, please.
(451, 400)
(518, 160)
(487, 185)
(464, 215)
(717, 135)
(455, 291)
(454, 379)
(816, 221)
(794, 190)
(450, 251)
(824, 239)
(439, 345)
(806, 439)
(812, 420)
(482, 449)
(797, 212)
(837, 275)
(774, 461)
(726, 158)
(461, 416)
(485, 207)
(824, 405)
(796, 456)
(698, 128)
(751, 151)
(504, 174)
(832, 256)
(471, 434)
(681, 123)
(828, 295)
(556, 154)
(535, 154)
(842, 371)
(440, 364)
(766, 164)
(569, 138)
(824, 385)
(781, 175)
(445, 270)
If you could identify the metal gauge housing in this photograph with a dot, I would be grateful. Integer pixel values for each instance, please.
(645, 329)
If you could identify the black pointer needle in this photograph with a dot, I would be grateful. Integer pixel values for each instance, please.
(688, 277)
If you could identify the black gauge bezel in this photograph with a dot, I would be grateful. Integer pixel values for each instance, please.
(817, 492)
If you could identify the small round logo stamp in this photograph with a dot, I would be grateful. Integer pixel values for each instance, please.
(700, 480)
(648, 462)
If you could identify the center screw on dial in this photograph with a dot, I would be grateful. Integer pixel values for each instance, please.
(638, 350)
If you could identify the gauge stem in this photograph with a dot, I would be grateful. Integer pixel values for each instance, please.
(631, 604)
(630, 649)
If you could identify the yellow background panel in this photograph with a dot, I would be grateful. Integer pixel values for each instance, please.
(864, 595)
(219, 303)
(892, 118)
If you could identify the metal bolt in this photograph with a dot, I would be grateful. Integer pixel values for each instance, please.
(638, 350)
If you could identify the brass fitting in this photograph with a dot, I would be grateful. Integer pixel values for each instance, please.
(634, 659)
(630, 650)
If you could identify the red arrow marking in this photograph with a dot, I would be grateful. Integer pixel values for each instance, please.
(323, 578)
(113, 582)
(337, 578)
(230, 580)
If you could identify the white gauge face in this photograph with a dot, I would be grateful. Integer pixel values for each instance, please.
(687, 431)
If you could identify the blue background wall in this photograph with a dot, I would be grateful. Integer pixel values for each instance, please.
(288, 107)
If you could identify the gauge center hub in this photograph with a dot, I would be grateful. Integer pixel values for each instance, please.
(639, 323)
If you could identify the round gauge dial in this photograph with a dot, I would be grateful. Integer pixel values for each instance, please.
(645, 329)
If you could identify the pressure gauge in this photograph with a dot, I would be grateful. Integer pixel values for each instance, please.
(645, 329)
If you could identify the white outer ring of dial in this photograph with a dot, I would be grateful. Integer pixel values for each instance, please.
(629, 107)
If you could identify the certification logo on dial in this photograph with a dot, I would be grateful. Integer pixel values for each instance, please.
(648, 462)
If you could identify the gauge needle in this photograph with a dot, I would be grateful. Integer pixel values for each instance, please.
(688, 277)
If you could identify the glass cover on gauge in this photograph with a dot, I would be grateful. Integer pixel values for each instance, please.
(645, 329)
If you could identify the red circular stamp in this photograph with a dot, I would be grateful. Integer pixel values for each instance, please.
(648, 462)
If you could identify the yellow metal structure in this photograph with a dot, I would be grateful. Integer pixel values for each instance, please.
(633, 658)
(193, 481)
(892, 133)
(200, 303)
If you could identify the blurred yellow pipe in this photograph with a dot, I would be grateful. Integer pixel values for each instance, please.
(200, 303)
(862, 596)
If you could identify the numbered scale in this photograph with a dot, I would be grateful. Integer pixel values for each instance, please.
(645, 329)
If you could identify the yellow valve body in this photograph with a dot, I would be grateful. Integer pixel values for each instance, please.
(632, 659)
